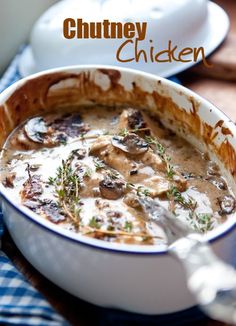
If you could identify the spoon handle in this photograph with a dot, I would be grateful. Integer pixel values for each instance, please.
(212, 281)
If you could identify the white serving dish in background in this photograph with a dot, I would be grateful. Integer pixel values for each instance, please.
(186, 23)
(143, 279)
(16, 21)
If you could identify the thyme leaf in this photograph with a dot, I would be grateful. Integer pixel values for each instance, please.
(142, 191)
(201, 222)
(123, 132)
(128, 226)
(93, 223)
(99, 164)
(88, 173)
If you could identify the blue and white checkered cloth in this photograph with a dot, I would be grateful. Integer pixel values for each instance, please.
(12, 73)
(20, 303)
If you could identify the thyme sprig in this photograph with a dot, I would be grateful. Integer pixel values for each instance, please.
(67, 185)
(91, 230)
(142, 191)
(94, 224)
(175, 195)
(201, 222)
(99, 164)
(161, 151)
(128, 226)
(123, 132)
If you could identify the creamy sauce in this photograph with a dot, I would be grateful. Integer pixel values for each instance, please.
(86, 171)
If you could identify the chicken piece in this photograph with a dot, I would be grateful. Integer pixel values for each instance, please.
(100, 144)
(90, 184)
(112, 156)
(153, 160)
(156, 185)
(121, 161)
(152, 168)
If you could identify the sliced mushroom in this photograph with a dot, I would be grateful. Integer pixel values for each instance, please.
(32, 188)
(132, 144)
(227, 204)
(33, 205)
(111, 189)
(49, 209)
(36, 130)
(218, 182)
(135, 119)
(71, 125)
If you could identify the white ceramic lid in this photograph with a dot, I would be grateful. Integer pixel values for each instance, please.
(186, 23)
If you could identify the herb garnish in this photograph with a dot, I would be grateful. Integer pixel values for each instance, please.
(88, 173)
(175, 195)
(128, 226)
(67, 186)
(99, 164)
(161, 151)
(201, 222)
(143, 191)
(93, 223)
(113, 174)
(123, 132)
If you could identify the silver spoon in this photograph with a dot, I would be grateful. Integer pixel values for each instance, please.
(212, 281)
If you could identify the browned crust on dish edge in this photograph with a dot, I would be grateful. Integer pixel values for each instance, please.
(45, 94)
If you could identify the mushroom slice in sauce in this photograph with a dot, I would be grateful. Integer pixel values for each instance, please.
(132, 144)
(227, 204)
(49, 132)
(34, 135)
(50, 210)
(217, 182)
(36, 130)
(70, 124)
(110, 188)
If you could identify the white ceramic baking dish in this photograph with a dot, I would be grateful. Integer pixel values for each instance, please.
(143, 279)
